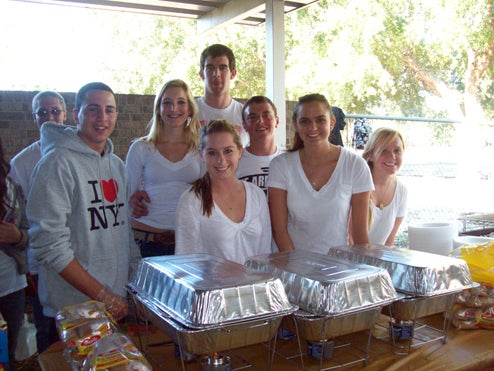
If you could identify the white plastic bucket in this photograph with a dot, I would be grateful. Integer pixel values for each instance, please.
(436, 238)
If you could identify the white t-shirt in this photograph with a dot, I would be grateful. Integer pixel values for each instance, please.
(255, 169)
(163, 180)
(218, 235)
(318, 220)
(232, 113)
(21, 168)
(383, 220)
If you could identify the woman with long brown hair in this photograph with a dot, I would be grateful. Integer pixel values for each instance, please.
(316, 186)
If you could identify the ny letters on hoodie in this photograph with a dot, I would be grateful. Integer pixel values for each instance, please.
(77, 208)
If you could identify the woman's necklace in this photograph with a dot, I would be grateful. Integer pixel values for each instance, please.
(381, 196)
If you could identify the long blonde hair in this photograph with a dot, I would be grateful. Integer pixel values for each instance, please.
(156, 124)
(377, 143)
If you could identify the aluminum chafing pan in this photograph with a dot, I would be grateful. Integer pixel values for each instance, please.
(327, 286)
(317, 328)
(200, 291)
(215, 338)
(410, 308)
(413, 272)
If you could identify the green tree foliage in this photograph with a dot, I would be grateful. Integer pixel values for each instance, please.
(393, 56)
(382, 57)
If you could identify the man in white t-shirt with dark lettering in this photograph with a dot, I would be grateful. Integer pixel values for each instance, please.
(218, 69)
(260, 120)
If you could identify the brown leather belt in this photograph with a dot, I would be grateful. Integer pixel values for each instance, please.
(167, 237)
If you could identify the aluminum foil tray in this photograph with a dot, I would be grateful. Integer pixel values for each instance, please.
(208, 340)
(200, 290)
(319, 328)
(326, 286)
(410, 308)
(413, 272)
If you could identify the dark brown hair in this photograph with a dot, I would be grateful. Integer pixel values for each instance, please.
(4, 170)
(297, 142)
(258, 99)
(215, 51)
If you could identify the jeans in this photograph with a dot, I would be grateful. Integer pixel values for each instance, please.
(150, 248)
(12, 307)
(44, 335)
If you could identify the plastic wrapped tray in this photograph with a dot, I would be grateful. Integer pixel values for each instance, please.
(326, 286)
(200, 291)
(413, 272)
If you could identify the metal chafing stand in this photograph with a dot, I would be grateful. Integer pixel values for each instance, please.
(427, 283)
(206, 304)
(335, 297)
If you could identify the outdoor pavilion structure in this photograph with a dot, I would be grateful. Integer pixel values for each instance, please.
(213, 14)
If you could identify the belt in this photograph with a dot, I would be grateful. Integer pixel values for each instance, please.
(167, 237)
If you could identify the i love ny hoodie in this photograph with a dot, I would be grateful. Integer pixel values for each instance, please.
(77, 208)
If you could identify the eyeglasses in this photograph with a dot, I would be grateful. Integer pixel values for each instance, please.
(42, 112)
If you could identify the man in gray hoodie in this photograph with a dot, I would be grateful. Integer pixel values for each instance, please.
(77, 209)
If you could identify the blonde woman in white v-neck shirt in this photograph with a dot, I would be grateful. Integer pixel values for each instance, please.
(384, 155)
(161, 166)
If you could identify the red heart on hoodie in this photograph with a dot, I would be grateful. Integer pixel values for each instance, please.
(110, 189)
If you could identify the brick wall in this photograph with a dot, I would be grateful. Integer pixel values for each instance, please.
(18, 130)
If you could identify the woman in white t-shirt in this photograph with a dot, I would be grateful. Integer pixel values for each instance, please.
(315, 187)
(161, 166)
(384, 155)
(222, 215)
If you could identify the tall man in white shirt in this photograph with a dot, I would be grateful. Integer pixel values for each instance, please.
(218, 69)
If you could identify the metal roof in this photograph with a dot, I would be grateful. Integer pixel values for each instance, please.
(209, 12)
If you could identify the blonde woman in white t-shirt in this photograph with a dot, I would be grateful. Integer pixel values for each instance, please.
(384, 155)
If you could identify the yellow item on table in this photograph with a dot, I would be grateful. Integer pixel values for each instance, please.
(480, 260)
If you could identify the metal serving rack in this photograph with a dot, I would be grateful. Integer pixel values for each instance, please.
(476, 224)
(344, 353)
(413, 331)
(148, 313)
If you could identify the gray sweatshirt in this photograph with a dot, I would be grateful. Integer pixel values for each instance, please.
(77, 208)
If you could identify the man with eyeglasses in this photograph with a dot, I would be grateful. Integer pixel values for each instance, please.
(218, 69)
(80, 229)
(260, 120)
(47, 106)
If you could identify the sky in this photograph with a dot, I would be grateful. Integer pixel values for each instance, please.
(40, 46)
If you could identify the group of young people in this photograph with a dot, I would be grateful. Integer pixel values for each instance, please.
(207, 177)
